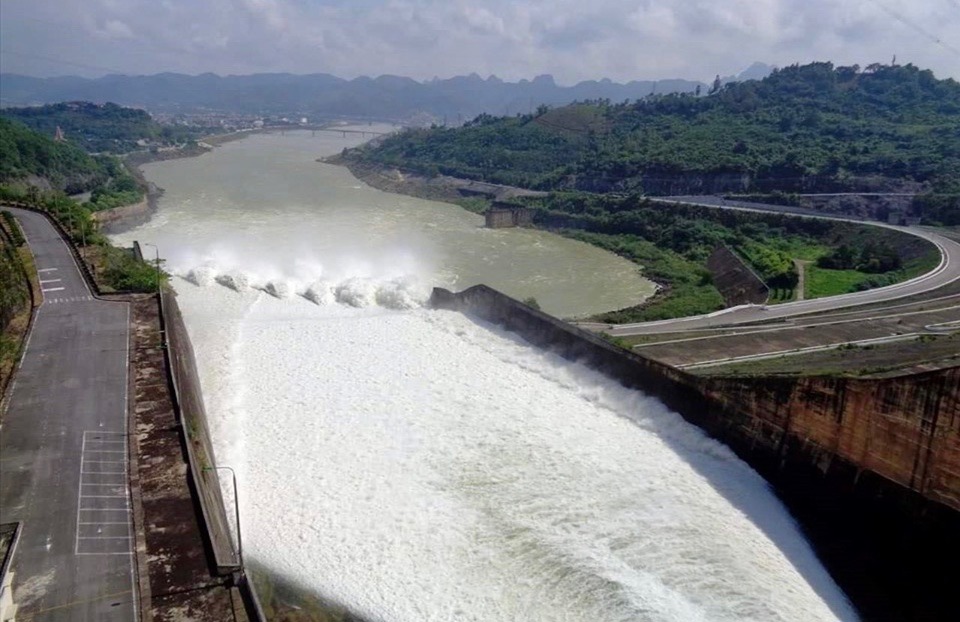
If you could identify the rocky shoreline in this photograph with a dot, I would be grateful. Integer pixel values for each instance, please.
(436, 188)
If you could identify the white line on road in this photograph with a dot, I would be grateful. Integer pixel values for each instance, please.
(121, 553)
(47, 269)
(796, 351)
(104, 523)
(50, 281)
(54, 289)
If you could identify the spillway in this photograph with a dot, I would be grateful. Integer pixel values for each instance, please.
(419, 465)
(415, 464)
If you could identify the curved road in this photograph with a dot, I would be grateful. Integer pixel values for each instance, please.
(63, 448)
(947, 272)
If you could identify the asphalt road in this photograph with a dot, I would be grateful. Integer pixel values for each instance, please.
(947, 272)
(63, 449)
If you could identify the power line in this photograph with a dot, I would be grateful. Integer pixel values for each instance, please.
(917, 27)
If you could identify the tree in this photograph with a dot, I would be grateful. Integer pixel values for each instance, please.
(716, 85)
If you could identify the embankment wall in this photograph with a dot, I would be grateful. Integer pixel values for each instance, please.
(136, 210)
(193, 420)
(869, 467)
(903, 429)
(736, 281)
(188, 404)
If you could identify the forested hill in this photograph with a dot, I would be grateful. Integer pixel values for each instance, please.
(32, 164)
(29, 155)
(98, 128)
(810, 128)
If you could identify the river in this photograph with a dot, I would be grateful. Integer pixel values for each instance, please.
(416, 465)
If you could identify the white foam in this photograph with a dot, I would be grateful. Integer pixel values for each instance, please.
(416, 465)
(235, 280)
(278, 289)
(357, 292)
(202, 276)
(321, 293)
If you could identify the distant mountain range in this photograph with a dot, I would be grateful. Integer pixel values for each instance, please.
(323, 95)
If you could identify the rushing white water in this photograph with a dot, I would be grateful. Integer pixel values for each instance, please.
(417, 465)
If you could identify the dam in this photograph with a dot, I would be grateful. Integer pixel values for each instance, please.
(420, 464)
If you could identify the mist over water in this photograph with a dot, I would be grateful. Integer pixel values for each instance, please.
(415, 464)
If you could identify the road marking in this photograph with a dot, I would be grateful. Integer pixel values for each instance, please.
(95, 464)
(51, 281)
(47, 269)
(797, 351)
(104, 523)
(53, 289)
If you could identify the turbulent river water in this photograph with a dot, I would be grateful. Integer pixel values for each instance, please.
(416, 465)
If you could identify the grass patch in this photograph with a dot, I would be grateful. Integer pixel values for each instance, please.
(800, 248)
(821, 282)
(687, 288)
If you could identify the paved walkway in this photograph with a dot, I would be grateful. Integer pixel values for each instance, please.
(63, 449)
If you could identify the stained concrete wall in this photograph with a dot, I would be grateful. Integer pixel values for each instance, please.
(870, 468)
(737, 283)
(193, 420)
(905, 430)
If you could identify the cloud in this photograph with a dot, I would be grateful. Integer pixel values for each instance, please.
(572, 39)
(114, 29)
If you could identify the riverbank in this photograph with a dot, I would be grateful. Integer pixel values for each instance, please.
(466, 193)
(674, 295)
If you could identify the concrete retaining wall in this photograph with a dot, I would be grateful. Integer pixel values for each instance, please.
(905, 431)
(870, 468)
(193, 419)
(733, 277)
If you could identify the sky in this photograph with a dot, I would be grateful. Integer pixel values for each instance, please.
(571, 39)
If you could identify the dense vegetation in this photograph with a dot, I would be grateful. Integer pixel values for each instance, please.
(106, 128)
(14, 294)
(29, 161)
(812, 128)
(25, 154)
(29, 158)
(672, 243)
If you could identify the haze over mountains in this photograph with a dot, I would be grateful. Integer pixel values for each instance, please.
(384, 97)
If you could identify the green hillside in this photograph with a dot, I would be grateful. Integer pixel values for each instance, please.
(106, 128)
(811, 128)
(27, 154)
(28, 158)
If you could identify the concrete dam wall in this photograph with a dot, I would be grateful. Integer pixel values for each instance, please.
(869, 467)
